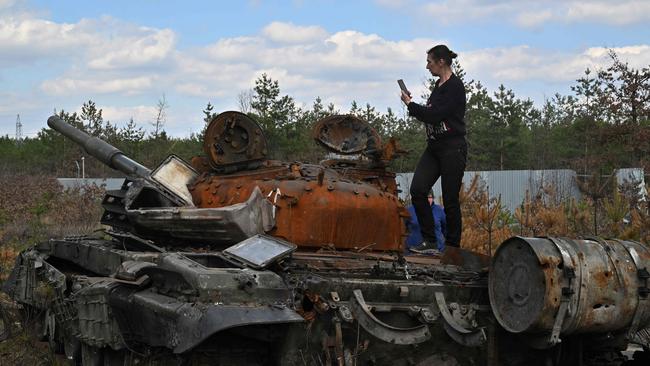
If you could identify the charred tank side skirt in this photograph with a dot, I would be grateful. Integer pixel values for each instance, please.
(163, 321)
(94, 255)
(231, 285)
(31, 271)
(172, 272)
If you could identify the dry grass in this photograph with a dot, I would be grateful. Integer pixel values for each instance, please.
(18, 345)
(33, 209)
(618, 214)
(485, 223)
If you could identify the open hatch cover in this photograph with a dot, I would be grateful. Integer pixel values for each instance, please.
(259, 251)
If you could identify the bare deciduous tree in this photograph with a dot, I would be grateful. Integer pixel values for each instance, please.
(244, 98)
(161, 116)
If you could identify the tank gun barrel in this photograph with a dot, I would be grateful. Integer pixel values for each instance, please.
(105, 152)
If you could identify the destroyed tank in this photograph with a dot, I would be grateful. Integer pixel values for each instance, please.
(236, 259)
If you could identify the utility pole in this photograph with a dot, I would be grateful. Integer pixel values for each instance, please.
(19, 130)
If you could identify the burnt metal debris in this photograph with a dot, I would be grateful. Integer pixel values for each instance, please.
(236, 259)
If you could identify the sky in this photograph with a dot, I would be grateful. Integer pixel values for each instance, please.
(126, 55)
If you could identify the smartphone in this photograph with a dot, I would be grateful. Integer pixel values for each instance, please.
(402, 86)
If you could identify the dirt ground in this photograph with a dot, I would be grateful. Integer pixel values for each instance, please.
(17, 346)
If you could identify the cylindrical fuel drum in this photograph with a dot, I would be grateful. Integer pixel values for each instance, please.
(604, 284)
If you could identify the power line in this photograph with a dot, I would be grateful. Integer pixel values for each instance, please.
(19, 130)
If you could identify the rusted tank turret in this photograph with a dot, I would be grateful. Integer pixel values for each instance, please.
(344, 203)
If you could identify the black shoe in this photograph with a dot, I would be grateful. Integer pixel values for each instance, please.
(426, 248)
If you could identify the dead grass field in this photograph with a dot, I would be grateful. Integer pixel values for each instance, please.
(33, 209)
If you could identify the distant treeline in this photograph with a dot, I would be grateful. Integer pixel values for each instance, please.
(604, 124)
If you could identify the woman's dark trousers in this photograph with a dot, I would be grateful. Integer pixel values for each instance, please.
(447, 163)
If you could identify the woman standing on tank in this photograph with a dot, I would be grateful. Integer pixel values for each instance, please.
(446, 153)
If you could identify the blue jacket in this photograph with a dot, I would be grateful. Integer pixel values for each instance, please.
(415, 237)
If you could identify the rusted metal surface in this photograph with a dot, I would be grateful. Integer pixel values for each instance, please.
(314, 205)
(605, 291)
(348, 204)
(234, 141)
(346, 134)
(358, 171)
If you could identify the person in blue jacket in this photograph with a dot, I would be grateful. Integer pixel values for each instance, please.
(415, 236)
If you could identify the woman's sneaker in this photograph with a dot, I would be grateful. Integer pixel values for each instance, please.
(427, 248)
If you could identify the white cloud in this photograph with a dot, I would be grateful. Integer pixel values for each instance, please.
(235, 49)
(448, 11)
(140, 114)
(394, 4)
(528, 13)
(291, 33)
(132, 51)
(104, 43)
(533, 19)
(345, 49)
(127, 86)
(27, 39)
(199, 75)
(115, 59)
(524, 63)
(636, 56)
(102, 55)
(340, 67)
(4, 4)
(608, 12)
(11, 103)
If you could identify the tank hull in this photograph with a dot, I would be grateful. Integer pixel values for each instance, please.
(109, 300)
